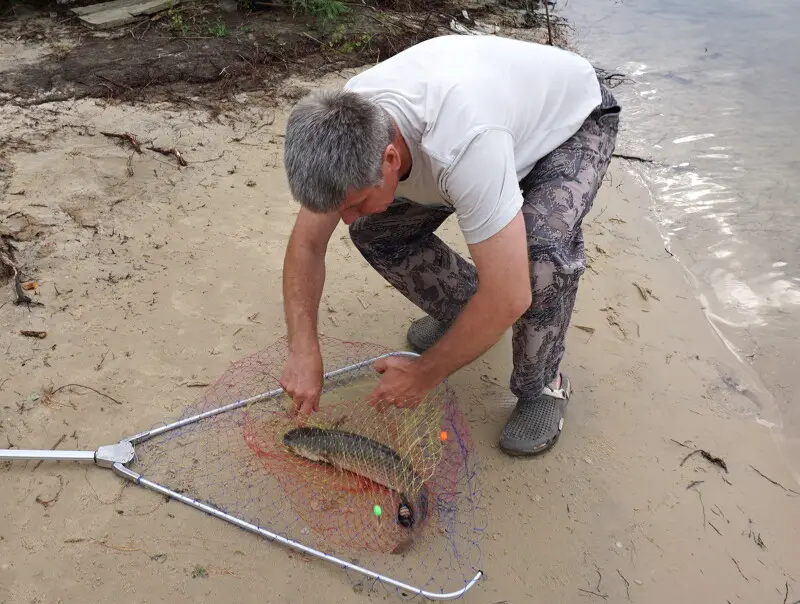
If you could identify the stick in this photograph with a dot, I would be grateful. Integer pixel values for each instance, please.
(53, 448)
(549, 27)
(170, 151)
(715, 528)
(594, 593)
(703, 505)
(49, 502)
(627, 585)
(632, 158)
(738, 568)
(21, 297)
(775, 482)
(88, 388)
(126, 137)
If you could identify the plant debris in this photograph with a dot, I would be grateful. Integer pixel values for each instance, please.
(33, 333)
(170, 151)
(718, 461)
(50, 392)
(130, 138)
(775, 482)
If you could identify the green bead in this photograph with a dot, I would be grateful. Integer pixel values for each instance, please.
(377, 510)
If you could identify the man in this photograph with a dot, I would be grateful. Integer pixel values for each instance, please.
(514, 138)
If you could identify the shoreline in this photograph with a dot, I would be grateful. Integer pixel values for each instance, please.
(157, 281)
(744, 377)
(709, 179)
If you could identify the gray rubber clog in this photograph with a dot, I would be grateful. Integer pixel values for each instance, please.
(424, 333)
(536, 423)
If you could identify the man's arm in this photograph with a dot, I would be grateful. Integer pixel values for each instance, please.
(303, 281)
(484, 187)
(503, 295)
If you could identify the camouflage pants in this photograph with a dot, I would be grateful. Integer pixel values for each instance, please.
(558, 193)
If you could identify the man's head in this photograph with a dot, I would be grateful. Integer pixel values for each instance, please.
(342, 154)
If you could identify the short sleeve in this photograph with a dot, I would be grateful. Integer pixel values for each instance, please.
(483, 187)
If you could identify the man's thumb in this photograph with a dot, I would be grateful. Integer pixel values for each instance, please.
(381, 365)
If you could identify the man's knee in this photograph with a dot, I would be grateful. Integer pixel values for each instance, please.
(359, 234)
(554, 278)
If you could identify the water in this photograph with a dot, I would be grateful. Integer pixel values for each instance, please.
(715, 102)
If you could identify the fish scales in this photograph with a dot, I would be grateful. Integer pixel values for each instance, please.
(366, 457)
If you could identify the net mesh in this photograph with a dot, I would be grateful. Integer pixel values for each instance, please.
(380, 467)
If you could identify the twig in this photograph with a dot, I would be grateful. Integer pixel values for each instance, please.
(110, 81)
(125, 137)
(681, 444)
(715, 528)
(99, 366)
(220, 156)
(703, 505)
(549, 26)
(53, 448)
(632, 158)
(21, 297)
(594, 593)
(786, 595)
(627, 585)
(239, 139)
(694, 483)
(775, 482)
(88, 388)
(739, 568)
(49, 502)
(170, 151)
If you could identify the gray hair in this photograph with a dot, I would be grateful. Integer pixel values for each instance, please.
(335, 140)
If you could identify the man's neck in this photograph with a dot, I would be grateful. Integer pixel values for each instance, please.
(405, 154)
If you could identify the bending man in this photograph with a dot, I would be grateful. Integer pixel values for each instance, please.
(512, 137)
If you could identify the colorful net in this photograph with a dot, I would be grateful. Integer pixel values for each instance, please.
(394, 489)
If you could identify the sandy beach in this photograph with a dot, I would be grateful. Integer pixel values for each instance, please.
(155, 277)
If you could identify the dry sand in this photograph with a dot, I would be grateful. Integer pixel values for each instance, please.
(155, 281)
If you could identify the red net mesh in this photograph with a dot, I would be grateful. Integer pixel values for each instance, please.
(237, 461)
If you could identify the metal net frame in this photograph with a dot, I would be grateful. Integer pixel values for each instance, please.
(227, 455)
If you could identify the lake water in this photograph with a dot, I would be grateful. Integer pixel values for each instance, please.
(715, 103)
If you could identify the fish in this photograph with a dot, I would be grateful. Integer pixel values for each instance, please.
(368, 458)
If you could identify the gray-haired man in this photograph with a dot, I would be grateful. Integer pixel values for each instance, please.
(514, 138)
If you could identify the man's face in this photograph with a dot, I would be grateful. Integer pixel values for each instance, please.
(373, 200)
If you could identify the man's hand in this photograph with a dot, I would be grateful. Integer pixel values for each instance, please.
(404, 383)
(302, 381)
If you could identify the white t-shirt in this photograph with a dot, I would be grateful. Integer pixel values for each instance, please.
(477, 113)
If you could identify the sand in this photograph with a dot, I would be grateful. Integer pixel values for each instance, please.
(153, 283)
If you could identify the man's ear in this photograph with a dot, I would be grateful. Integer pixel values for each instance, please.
(391, 157)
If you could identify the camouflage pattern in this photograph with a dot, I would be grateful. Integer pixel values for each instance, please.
(558, 193)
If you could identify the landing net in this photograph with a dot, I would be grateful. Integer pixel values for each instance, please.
(238, 462)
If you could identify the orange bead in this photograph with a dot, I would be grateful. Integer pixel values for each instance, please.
(443, 436)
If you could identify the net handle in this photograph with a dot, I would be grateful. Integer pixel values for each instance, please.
(264, 396)
(212, 511)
